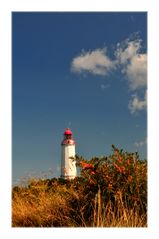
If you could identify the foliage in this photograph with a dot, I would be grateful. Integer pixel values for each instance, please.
(111, 191)
(121, 179)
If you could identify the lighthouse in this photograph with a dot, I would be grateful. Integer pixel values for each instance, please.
(68, 165)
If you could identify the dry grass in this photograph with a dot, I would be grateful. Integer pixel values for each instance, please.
(118, 215)
(39, 207)
(111, 192)
(61, 206)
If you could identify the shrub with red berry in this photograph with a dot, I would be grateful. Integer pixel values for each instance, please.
(121, 176)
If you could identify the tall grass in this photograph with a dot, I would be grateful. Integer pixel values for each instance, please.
(110, 192)
(118, 216)
(40, 205)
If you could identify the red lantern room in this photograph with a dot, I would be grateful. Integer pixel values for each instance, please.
(68, 137)
(68, 132)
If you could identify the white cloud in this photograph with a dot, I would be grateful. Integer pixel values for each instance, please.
(127, 50)
(104, 87)
(133, 64)
(140, 143)
(136, 72)
(135, 104)
(128, 58)
(96, 62)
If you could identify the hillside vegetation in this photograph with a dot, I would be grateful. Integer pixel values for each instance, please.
(110, 192)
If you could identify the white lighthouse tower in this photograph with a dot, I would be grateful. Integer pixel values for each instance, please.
(68, 165)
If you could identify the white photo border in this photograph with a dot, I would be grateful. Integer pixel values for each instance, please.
(7, 7)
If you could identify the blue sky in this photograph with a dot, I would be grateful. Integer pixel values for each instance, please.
(82, 70)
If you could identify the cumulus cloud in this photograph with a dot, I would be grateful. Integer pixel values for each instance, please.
(128, 57)
(95, 62)
(140, 143)
(136, 104)
(136, 72)
(127, 50)
(133, 63)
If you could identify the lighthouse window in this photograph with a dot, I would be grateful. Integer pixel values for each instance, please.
(67, 136)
